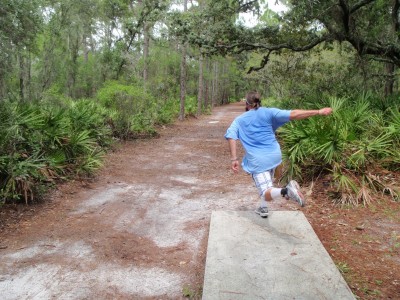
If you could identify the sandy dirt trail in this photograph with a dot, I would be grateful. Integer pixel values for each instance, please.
(138, 230)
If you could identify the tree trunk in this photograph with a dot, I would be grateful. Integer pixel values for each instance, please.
(21, 75)
(225, 95)
(46, 75)
(208, 83)
(389, 68)
(201, 85)
(183, 84)
(214, 84)
(72, 70)
(183, 75)
(146, 44)
(85, 48)
(29, 77)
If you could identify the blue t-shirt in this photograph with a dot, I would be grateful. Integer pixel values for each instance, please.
(256, 131)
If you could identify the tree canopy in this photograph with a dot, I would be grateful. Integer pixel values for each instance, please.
(371, 27)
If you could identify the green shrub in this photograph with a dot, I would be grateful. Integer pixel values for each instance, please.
(135, 110)
(351, 145)
(20, 176)
(92, 116)
(168, 111)
(191, 106)
(58, 137)
(40, 143)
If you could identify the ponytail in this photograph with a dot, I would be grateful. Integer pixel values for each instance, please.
(253, 100)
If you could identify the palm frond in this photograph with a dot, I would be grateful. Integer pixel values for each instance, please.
(91, 162)
(364, 195)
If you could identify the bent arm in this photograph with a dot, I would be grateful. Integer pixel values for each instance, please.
(299, 114)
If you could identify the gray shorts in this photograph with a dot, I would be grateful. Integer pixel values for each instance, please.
(264, 181)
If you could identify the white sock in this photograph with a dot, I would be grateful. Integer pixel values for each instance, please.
(276, 193)
(263, 202)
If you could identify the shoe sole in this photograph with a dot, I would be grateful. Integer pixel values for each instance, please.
(264, 215)
(302, 201)
(299, 198)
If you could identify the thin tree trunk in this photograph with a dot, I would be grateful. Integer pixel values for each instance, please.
(201, 85)
(47, 72)
(73, 66)
(146, 44)
(223, 85)
(389, 68)
(183, 84)
(215, 91)
(21, 75)
(208, 83)
(183, 75)
(226, 83)
(85, 49)
(28, 77)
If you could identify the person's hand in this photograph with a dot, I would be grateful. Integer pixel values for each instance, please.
(235, 166)
(325, 111)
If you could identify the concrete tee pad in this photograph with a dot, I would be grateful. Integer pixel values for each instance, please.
(279, 257)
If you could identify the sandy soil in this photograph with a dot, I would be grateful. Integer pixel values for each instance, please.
(139, 229)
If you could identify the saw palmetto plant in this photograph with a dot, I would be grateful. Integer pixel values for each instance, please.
(357, 145)
(40, 144)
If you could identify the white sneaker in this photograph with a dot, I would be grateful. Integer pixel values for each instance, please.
(262, 211)
(293, 189)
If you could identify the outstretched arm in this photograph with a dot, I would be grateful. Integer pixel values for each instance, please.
(234, 158)
(299, 114)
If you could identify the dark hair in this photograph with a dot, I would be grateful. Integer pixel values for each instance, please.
(253, 99)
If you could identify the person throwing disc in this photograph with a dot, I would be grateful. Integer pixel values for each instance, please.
(256, 131)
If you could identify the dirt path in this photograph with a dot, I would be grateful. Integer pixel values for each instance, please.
(140, 229)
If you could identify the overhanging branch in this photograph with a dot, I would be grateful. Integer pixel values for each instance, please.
(270, 50)
(360, 4)
(243, 46)
(262, 65)
(244, 7)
